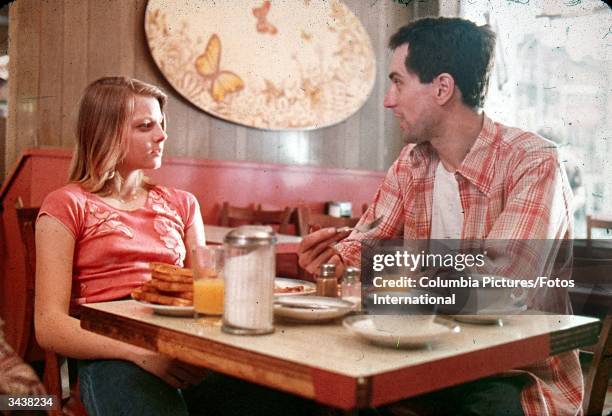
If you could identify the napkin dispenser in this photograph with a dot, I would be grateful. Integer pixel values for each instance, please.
(339, 209)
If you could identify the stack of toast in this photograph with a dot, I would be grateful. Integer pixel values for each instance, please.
(169, 285)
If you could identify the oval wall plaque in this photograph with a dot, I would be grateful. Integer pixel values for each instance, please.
(300, 64)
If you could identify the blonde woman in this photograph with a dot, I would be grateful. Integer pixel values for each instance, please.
(96, 236)
(94, 240)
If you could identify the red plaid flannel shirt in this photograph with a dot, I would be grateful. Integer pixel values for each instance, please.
(16, 377)
(512, 187)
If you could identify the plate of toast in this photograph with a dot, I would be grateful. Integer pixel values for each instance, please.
(169, 292)
(184, 311)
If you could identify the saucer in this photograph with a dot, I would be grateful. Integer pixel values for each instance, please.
(363, 327)
(311, 308)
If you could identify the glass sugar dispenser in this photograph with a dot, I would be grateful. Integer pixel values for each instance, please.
(250, 269)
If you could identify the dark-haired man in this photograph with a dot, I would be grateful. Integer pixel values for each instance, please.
(463, 176)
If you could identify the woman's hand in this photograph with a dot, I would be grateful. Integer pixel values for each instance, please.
(176, 373)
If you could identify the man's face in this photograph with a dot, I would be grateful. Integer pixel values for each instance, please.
(411, 101)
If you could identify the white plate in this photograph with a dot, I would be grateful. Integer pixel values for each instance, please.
(309, 287)
(168, 310)
(363, 326)
(311, 308)
(491, 316)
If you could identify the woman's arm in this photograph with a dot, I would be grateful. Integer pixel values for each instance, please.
(194, 236)
(57, 331)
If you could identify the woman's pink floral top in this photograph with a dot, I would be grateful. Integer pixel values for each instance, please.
(113, 247)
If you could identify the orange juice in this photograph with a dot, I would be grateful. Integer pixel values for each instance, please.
(208, 296)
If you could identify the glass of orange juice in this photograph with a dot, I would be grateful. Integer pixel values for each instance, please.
(208, 284)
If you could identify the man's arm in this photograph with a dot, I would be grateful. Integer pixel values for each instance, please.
(527, 239)
(323, 247)
(538, 205)
(388, 203)
(537, 212)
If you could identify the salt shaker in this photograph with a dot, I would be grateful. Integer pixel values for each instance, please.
(249, 271)
(351, 286)
(327, 284)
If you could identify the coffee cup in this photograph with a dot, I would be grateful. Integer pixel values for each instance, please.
(399, 312)
(402, 325)
(495, 293)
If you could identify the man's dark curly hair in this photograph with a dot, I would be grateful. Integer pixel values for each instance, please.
(450, 45)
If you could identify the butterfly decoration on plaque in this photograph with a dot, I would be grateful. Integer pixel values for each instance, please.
(266, 64)
(207, 65)
(261, 13)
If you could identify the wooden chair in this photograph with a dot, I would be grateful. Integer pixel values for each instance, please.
(307, 219)
(599, 221)
(232, 216)
(26, 218)
(591, 296)
(282, 218)
(591, 271)
(55, 376)
(597, 379)
(286, 264)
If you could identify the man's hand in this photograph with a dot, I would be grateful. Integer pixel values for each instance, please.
(316, 249)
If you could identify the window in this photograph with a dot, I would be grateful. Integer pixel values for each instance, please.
(553, 77)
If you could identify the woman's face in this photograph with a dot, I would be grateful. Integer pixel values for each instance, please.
(145, 136)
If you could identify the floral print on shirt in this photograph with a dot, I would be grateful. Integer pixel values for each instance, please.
(168, 224)
(103, 221)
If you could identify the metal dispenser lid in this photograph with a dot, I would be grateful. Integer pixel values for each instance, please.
(351, 273)
(251, 235)
(328, 270)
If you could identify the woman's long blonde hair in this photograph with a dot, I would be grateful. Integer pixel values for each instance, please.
(104, 114)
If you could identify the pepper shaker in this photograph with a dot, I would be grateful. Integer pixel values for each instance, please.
(327, 284)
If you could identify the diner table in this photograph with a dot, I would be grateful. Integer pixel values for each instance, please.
(284, 243)
(329, 364)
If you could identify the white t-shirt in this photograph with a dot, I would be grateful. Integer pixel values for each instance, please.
(447, 213)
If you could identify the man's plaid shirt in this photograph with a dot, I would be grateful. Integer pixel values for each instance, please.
(511, 187)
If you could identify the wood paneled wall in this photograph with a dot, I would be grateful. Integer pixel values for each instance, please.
(58, 46)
